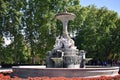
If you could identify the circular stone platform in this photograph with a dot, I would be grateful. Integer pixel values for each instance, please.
(24, 72)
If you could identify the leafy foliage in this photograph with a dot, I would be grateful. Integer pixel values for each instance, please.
(30, 28)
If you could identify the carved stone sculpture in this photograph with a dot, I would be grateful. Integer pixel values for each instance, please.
(64, 54)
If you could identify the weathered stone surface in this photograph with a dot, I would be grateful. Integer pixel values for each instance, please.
(64, 54)
(64, 72)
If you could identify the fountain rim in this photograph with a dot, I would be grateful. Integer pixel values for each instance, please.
(43, 67)
(67, 72)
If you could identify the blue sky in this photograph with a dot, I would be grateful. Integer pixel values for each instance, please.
(109, 4)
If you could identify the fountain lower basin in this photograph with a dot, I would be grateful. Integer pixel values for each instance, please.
(33, 71)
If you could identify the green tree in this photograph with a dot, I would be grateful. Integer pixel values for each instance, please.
(31, 27)
(96, 31)
(10, 20)
(40, 24)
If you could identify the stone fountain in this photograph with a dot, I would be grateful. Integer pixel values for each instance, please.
(64, 59)
(65, 54)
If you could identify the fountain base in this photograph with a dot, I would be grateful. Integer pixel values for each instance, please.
(25, 72)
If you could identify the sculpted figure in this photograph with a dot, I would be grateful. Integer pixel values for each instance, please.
(57, 43)
(64, 43)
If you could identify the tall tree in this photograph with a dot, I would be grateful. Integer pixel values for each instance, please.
(10, 24)
(40, 24)
(96, 31)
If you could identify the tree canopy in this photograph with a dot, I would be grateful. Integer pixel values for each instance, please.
(28, 29)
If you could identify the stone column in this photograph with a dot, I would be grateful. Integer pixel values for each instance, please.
(65, 31)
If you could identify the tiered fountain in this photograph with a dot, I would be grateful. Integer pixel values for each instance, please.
(64, 60)
(64, 54)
